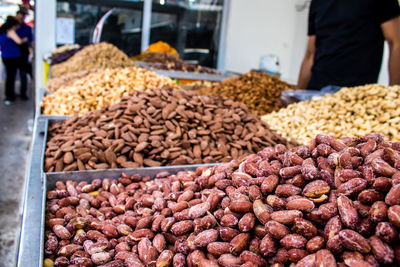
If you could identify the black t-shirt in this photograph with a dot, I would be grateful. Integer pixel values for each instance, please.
(349, 40)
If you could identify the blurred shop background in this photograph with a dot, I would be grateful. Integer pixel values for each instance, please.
(199, 30)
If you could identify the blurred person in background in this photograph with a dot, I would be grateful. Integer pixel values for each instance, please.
(11, 55)
(24, 31)
(346, 40)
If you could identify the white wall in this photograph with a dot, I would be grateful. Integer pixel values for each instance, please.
(261, 27)
(45, 38)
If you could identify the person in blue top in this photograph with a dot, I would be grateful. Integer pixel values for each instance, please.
(11, 55)
(24, 31)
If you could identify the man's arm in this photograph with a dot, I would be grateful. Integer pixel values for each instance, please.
(308, 61)
(391, 32)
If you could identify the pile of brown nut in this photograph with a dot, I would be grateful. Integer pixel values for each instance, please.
(95, 56)
(335, 201)
(156, 128)
(261, 92)
(67, 79)
(101, 89)
(354, 111)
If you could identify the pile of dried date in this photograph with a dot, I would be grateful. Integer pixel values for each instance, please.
(333, 202)
(156, 128)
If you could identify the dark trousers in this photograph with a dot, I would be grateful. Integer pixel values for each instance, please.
(11, 65)
(23, 75)
(24, 82)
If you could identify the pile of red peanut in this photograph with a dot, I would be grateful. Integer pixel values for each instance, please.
(333, 202)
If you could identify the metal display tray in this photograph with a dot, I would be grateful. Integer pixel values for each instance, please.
(31, 239)
(305, 95)
(33, 204)
(186, 75)
(32, 242)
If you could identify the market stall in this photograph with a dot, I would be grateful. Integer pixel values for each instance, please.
(160, 162)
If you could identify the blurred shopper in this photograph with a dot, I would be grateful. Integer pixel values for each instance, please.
(11, 55)
(345, 44)
(24, 31)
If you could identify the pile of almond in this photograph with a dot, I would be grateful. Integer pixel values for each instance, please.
(156, 128)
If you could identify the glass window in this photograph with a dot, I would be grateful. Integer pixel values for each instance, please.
(191, 27)
(122, 28)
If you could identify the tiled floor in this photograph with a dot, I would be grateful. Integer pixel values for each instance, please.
(15, 134)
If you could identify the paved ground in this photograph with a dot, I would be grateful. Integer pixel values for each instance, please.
(15, 135)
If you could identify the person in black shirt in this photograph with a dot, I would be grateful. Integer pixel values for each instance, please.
(345, 43)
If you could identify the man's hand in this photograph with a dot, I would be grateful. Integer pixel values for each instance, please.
(391, 32)
(308, 61)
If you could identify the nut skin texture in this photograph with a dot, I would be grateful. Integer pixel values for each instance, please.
(296, 254)
(308, 261)
(179, 260)
(248, 256)
(268, 246)
(218, 248)
(393, 196)
(286, 216)
(247, 222)
(147, 253)
(61, 232)
(324, 258)
(327, 210)
(334, 244)
(205, 237)
(314, 244)
(382, 252)
(378, 212)
(348, 214)
(260, 211)
(229, 260)
(227, 234)
(333, 227)
(302, 204)
(276, 229)
(165, 258)
(293, 241)
(269, 184)
(316, 189)
(352, 187)
(182, 227)
(240, 243)
(394, 215)
(369, 196)
(354, 241)
(304, 228)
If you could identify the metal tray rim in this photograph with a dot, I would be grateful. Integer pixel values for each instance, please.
(93, 174)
